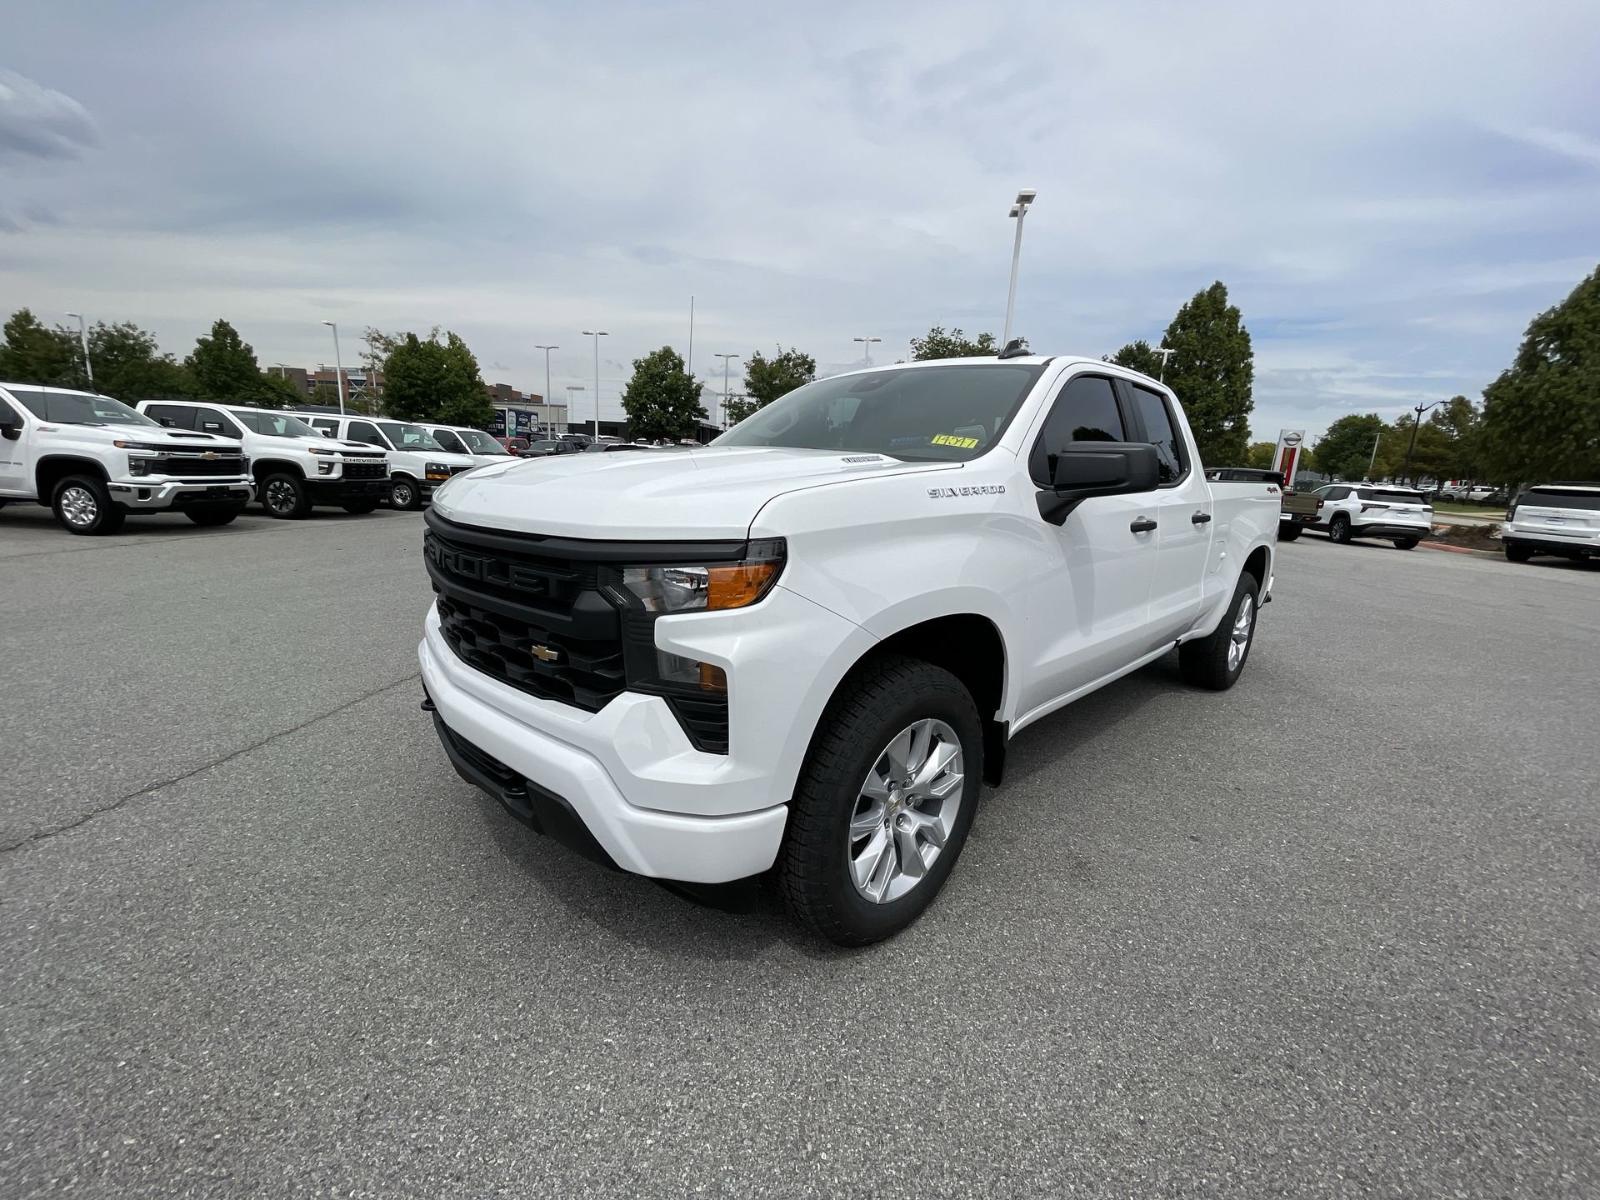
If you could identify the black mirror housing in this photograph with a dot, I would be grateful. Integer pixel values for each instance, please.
(1081, 470)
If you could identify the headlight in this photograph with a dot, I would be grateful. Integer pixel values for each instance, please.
(436, 471)
(138, 466)
(675, 589)
(320, 450)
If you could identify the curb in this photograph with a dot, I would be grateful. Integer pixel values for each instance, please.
(1426, 545)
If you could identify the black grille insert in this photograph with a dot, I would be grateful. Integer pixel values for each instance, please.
(193, 466)
(356, 470)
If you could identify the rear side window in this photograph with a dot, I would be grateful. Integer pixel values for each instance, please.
(210, 420)
(1553, 498)
(1084, 411)
(1159, 431)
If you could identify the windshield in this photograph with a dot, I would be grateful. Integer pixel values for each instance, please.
(79, 408)
(922, 414)
(273, 424)
(479, 442)
(408, 437)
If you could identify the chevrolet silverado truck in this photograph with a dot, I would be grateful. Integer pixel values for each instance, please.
(94, 460)
(806, 646)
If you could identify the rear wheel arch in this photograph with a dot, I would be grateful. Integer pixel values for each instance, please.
(1259, 564)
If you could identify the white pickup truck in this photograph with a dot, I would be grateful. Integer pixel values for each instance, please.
(807, 645)
(94, 460)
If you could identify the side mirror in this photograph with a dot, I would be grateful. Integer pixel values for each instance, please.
(1082, 470)
(10, 427)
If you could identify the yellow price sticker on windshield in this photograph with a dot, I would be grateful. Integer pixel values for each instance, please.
(950, 439)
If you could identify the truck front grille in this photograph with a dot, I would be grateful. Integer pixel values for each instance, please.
(192, 466)
(531, 658)
(356, 470)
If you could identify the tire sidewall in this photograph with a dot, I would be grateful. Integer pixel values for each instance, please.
(103, 521)
(869, 921)
(1247, 587)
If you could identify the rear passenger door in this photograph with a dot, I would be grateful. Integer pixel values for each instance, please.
(1183, 512)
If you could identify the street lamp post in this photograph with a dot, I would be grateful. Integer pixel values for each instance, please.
(727, 359)
(571, 387)
(866, 345)
(1371, 462)
(596, 334)
(1019, 210)
(1419, 410)
(1166, 352)
(548, 399)
(338, 365)
(83, 337)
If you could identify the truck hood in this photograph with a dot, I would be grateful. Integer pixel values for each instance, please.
(302, 445)
(144, 435)
(649, 495)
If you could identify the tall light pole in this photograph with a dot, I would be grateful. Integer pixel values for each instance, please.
(866, 345)
(1019, 210)
(1419, 410)
(596, 334)
(548, 399)
(1376, 438)
(1166, 352)
(83, 337)
(726, 361)
(338, 365)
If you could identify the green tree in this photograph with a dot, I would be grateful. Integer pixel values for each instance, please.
(1138, 356)
(1460, 421)
(768, 378)
(33, 354)
(275, 391)
(223, 366)
(662, 399)
(130, 366)
(325, 394)
(1541, 417)
(939, 344)
(1346, 449)
(1211, 370)
(1259, 455)
(434, 378)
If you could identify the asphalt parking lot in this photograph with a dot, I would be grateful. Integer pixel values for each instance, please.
(1331, 933)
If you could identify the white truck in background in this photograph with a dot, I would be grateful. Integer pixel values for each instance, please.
(93, 460)
(806, 645)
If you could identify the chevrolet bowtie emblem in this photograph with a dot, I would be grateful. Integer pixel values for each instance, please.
(544, 653)
(209, 454)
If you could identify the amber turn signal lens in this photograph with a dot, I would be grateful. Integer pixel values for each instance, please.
(737, 586)
(713, 679)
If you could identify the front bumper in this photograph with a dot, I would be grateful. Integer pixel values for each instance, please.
(337, 491)
(629, 774)
(152, 494)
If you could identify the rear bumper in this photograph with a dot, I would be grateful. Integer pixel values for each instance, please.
(140, 495)
(1547, 543)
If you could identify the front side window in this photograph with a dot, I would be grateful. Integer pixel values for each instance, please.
(405, 436)
(78, 408)
(1084, 411)
(362, 431)
(479, 442)
(273, 424)
(1159, 430)
(921, 414)
(449, 441)
(209, 420)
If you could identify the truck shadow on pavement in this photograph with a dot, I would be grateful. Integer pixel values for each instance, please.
(741, 920)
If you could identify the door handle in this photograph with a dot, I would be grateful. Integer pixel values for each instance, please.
(1142, 525)
(1201, 518)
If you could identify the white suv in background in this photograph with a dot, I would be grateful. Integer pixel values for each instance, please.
(417, 463)
(1366, 510)
(1553, 518)
(293, 465)
(474, 443)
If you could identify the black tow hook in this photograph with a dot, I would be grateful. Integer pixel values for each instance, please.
(427, 702)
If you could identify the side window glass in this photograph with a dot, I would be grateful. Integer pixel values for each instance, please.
(1084, 411)
(327, 428)
(1158, 428)
(449, 441)
(176, 415)
(209, 420)
(361, 431)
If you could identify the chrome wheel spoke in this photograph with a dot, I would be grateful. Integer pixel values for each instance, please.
(927, 826)
(912, 864)
(933, 766)
(891, 842)
(867, 821)
(898, 752)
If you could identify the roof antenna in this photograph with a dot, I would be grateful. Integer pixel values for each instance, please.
(1017, 347)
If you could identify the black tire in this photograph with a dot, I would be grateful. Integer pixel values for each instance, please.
(1339, 529)
(83, 505)
(862, 719)
(404, 494)
(283, 496)
(214, 514)
(1204, 661)
(359, 507)
(1518, 554)
(1406, 543)
(1289, 533)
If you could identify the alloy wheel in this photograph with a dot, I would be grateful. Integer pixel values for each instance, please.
(1243, 623)
(78, 506)
(905, 811)
(280, 495)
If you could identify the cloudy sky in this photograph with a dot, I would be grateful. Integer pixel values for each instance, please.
(1389, 190)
